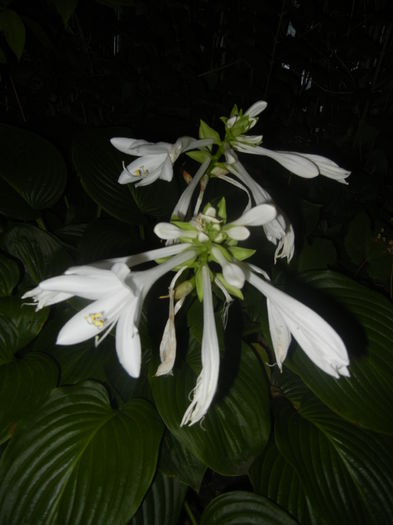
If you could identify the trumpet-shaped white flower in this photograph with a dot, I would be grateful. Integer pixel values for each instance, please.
(289, 317)
(206, 385)
(156, 159)
(117, 296)
(302, 164)
(278, 230)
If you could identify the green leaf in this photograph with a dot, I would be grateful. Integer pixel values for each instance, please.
(24, 385)
(32, 167)
(65, 8)
(41, 254)
(14, 31)
(237, 425)
(198, 155)
(318, 255)
(99, 165)
(19, 324)
(365, 322)
(346, 472)
(272, 476)
(162, 504)
(80, 461)
(177, 461)
(244, 508)
(206, 132)
(9, 275)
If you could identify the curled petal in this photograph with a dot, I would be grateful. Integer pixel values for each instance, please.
(328, 168)
(143, 169)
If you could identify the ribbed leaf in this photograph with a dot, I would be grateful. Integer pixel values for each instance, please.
(237, 425)
(244, 508)
(41, 254)
(32, 166)
(24, 385)
(14, 31)
(177, 461)
(162, 504)
(272, 476)
(366, 397)
(9, 275)
(19, 324)
(346, 472)
(79, 461)
(65, 8)
(99, 165)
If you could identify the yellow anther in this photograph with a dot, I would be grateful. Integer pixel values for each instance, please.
(96, 319)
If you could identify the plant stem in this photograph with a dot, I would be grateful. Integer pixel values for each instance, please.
(189, 513)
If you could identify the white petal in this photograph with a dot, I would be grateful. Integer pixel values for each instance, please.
(281, 336)
(125, 145)
(188, 143)
(294, 162)
(233, 274)
(85, 324)
(238, 233)
(328, 168)
(141, 168)
(167, 170)
(181, 208)
(257, 216)
(168, 231)
(256, 108)
(150, 255)
(82, 285)
(207, 380)
(316, 337)
(128, 344)
(42, 298)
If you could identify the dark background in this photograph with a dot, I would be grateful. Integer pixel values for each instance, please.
(157, 67)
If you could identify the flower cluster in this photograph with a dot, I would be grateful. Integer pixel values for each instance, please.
(202, 248)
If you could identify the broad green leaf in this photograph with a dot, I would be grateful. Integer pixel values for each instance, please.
(65, 8)
(244, 508)
(41, 254)
(162, 504)
(272, 476)
(9, 275)
(320, 254)
(177, 461)
(104, 239)
(237, 425)
(99, 165)
(79, 461)
(32, 167)
(346, 472)
(19, 324)
(14, 31)
(366, 325)
(24, 384)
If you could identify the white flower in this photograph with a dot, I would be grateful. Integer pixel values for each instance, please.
(206, 385)
(117, 296)
(278, 230)
(289, 317)
(302, 164)
(156, 159)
